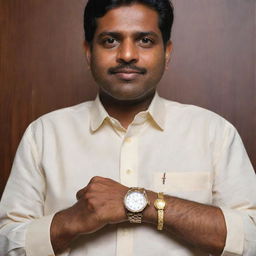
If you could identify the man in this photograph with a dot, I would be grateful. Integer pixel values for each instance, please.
(151, 177)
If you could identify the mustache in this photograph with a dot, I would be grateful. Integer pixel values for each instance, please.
(122, 67)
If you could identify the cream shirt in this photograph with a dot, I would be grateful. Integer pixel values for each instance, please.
(201, 154)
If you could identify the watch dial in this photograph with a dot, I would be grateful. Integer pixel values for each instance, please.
(135, 202)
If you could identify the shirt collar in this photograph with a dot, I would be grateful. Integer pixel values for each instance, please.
(156, 111)
(98, 114)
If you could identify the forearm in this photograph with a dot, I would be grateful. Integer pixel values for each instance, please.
(197, 224)
(99, 203)
(62, 231)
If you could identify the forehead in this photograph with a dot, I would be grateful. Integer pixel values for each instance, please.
(136, 17)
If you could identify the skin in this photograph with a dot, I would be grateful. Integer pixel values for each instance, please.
(127, 59)
(118, 40)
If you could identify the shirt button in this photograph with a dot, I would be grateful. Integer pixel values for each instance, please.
(125, 231)
(128, 139)
(128, 171)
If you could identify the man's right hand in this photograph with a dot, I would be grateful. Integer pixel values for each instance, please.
(99, 203)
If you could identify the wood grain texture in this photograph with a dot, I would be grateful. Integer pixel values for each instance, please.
(213, 63)
(42, 64)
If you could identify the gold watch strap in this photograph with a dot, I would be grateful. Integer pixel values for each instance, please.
(134, 217)
(160, 195)
(160, 224)
(160, 211)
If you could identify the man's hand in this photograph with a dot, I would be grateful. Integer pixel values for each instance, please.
(99, 203)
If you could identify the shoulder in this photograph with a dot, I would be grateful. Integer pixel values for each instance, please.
(61, 119)
(68, 112)
(196, 118)
(191, 111)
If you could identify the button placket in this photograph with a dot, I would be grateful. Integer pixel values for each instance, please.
(128, 162)
(129, 178)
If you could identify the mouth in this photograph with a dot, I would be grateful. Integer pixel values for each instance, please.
(127, 71)
(127, 74)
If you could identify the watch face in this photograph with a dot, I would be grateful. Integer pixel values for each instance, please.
(135, 201)
(159, 204)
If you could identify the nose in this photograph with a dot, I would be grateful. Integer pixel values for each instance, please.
(127, 52)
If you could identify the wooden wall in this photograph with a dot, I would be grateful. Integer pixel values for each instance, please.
(42, 65)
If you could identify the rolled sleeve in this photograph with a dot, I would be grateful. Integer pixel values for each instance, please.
(37, 241)
(234, 192)
(235, 233)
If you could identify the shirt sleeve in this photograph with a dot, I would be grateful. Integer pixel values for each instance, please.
(234, 192)
(24, 230)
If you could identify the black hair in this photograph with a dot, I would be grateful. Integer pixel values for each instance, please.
(98, 8)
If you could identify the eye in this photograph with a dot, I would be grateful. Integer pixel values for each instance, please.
(146, 42)
(110, 42)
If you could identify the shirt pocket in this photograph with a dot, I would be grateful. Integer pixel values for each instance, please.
(195, 186)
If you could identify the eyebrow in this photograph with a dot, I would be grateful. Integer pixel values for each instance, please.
(119, 35)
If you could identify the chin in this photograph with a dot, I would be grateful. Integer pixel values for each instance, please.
(128, 92)
(130, 96)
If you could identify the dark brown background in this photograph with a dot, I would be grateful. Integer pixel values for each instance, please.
(42, 66)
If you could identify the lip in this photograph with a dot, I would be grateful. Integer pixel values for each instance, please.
(127, 74)
(127, 71)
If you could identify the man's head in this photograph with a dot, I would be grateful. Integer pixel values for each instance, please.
(127, 46)
(98, 8)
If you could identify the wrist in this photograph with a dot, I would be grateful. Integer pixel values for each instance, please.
(64, 222)
(150, 213)
(61, 232)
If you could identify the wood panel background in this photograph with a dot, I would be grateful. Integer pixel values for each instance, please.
(42, 65)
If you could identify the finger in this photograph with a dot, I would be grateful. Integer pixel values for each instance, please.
(80, 193)
(97, 179)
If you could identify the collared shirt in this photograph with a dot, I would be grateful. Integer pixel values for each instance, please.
(199, 153)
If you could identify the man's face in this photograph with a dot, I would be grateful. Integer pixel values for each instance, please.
(127, 57)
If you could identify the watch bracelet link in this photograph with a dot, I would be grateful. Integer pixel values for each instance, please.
(142, 190)
(135, 217)
(160, 195)
(160, 210)
(160, 223)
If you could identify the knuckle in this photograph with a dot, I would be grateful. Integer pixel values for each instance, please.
(95, 179)
(79, 194)
(86, 196)
(91, 187)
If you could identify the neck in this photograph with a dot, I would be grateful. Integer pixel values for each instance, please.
(125, 110)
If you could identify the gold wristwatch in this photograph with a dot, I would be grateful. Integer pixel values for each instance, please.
(160, 205)
(135, 202)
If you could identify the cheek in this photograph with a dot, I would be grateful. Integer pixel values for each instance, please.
(154, 61)
(101, 60)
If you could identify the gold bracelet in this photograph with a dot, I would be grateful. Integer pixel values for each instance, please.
(160, 205)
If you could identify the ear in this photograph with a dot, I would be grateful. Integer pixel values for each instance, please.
(168, 51)
(87, 49)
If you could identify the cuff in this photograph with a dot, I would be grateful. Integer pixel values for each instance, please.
(38, 241)
(235, 233)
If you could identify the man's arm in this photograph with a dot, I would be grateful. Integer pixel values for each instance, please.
(22, 204)
(200, 225)
(101, 203)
